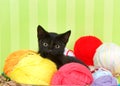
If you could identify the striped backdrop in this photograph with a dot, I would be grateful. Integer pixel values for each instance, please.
(19, 19)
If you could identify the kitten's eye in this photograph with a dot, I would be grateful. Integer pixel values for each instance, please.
(45, 44)
(57, 46)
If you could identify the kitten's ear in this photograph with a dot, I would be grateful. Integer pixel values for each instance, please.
(41, 32)
(65, 36)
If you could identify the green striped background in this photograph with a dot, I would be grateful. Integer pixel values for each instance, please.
(19, 19)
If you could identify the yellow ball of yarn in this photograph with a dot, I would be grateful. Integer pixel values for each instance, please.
(26, 66)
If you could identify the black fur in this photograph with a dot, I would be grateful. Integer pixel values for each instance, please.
(52, 45)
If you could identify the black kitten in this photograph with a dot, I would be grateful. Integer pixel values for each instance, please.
(52, 45)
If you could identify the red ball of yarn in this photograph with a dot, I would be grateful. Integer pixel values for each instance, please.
(72, 74)
(85, 47)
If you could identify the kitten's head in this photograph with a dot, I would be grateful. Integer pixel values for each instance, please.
(51, 44)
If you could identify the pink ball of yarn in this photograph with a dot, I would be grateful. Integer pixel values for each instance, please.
(72, 74)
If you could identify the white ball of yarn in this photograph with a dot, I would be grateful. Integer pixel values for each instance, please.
(108, 56)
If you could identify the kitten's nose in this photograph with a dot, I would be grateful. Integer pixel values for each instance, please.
(49, 51)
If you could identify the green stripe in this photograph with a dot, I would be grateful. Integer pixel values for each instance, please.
(99, 18)
(1, 26)
(0, 44)
(80, 18)
(116, 22)
(70, 20)
(0, 52)
(5, 31)
(108, 20)
(52, 15)
(24, 24)
(14, 24)
(43, 13)
(33, 22)
(89, 17)
(61, 16)
(0, 48)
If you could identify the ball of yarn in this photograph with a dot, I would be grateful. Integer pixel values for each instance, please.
(85, 48)
(68, 52)
(26, 66)
(99, 72)
(72, 74)
(108, 56)
(105, 81)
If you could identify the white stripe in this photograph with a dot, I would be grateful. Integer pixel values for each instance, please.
(89, 17)
(14, 24)
(52, 26)
(33, 22)
(108, 20)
